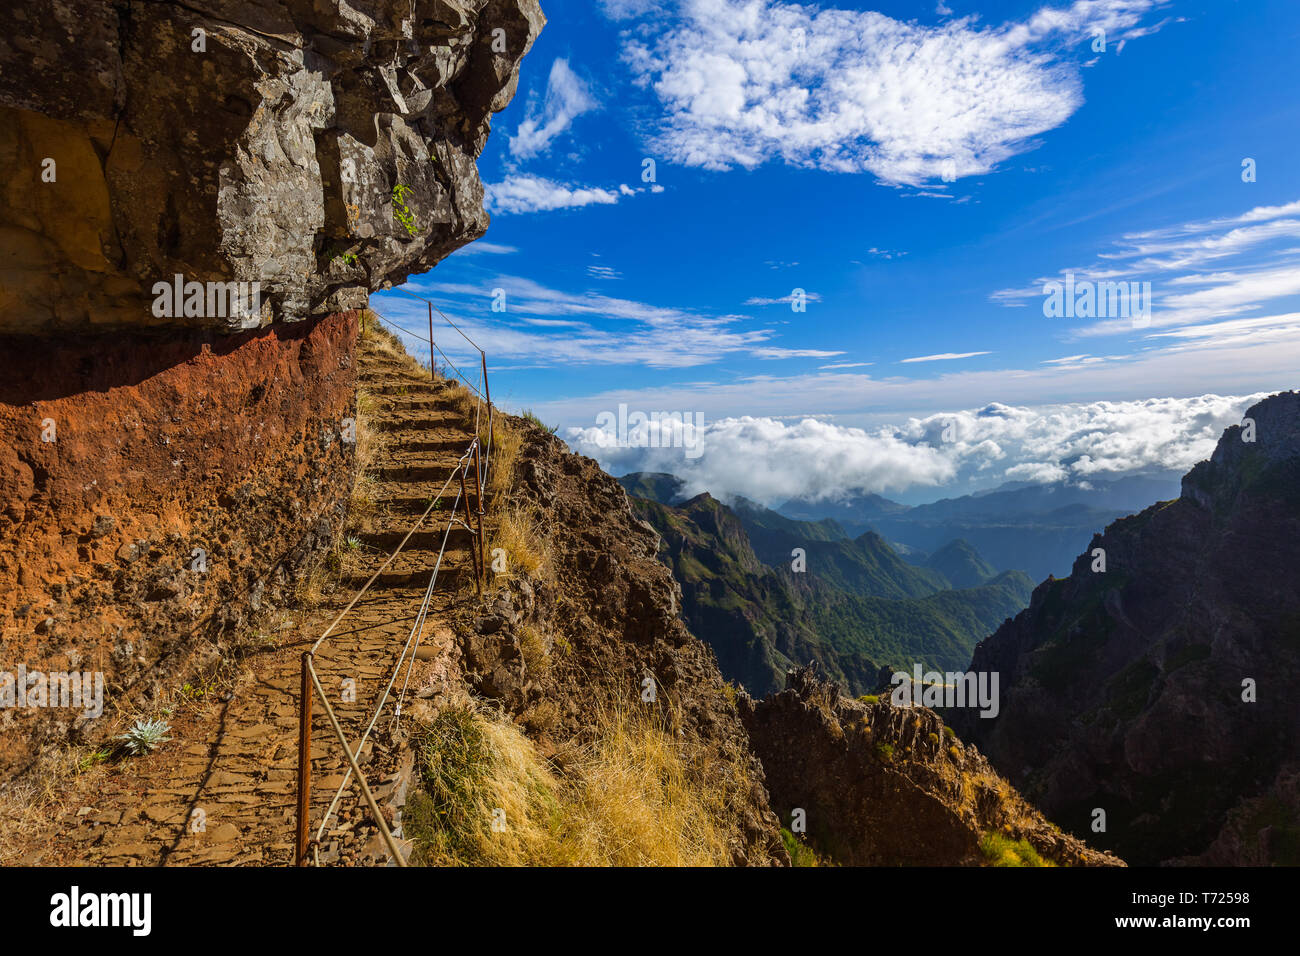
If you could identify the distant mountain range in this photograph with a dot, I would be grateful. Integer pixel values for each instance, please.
(1035, 528)
(856, 609)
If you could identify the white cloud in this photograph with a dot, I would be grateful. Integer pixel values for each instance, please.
(784, 300)
(995, 443)
(943, 357)
(526, 193)
(747, 81)
(567, 97)
(847, 365)
(553, 327)
(1165, 257)
(885, 253)
(779, 353)
(479, 247)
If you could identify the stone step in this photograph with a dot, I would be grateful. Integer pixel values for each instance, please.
(407, 403)
(411, 471)
(429, 444)
(419, 420)
(423, 538)
(378, 384)
(414, 568)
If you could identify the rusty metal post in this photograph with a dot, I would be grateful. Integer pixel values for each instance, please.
(304, 760)
(478, 499)
(473, 551)
(487, 394)
(432, 377)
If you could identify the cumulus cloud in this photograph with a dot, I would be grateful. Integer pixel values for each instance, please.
(527, 193)
(747, 81)
(567, 97)
(822, 460)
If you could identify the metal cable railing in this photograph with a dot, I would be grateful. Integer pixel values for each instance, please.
(472, 461)
(484, 393)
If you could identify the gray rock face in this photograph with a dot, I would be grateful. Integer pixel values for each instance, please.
(320, 148)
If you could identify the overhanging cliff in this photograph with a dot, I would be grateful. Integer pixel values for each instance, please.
(322, 150)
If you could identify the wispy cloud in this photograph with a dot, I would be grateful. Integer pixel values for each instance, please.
(1254, 253)
(567, 97)
(483, 248)
(555, 327)
(783, 300)
(943, 357)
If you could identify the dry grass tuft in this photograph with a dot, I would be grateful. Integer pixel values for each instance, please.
(487, 798)
(643, 799)
(535, 649)
(527, 546)
(376, 337)
(634, 796)
(31, 805)
(506, 442)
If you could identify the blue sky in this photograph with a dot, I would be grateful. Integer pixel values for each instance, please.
(920, 171)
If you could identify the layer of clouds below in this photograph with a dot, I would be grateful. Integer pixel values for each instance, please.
(770, 460)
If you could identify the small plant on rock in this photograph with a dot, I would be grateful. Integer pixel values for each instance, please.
(145, 736)
(92, 759)
(401, 211)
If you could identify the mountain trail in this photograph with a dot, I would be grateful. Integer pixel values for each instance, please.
(222, 790)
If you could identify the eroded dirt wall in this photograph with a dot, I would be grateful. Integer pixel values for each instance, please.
(154, 492)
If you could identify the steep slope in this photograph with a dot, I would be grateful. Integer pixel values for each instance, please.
(761, 620)
(865, 565)
(1123, 690)
(961, 564)
(593, 631)
(891, 786)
